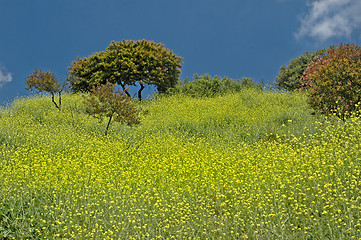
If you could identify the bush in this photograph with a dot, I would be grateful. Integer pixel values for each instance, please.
(206, 86)
(333, 82)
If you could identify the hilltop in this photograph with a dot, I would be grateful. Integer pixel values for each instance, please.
(253, 164)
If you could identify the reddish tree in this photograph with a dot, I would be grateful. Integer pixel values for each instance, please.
(333, 82)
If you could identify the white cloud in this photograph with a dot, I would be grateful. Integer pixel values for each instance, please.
(5, 78)
(330, 18)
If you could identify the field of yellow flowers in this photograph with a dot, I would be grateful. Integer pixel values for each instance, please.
(251, 165)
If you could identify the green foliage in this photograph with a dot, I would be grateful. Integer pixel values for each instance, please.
(333, 82)
(45, 81)
(127, 63)
(206, 86)
(104, 102)
(289, 76)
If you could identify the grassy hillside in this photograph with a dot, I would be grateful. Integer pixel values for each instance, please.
(253, 165)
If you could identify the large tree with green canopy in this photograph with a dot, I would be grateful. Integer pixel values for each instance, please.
(127, 63)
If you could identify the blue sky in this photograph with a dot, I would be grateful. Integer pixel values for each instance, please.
(233, 38)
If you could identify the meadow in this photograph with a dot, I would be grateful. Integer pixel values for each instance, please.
(247, 165)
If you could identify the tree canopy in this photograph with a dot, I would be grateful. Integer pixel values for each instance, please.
(127, 63)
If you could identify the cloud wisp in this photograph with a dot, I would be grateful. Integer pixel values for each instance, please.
(5, 78)
(330, 18)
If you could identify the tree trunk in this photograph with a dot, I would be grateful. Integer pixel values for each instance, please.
(140, 91)
(60, 100)
(106, 130)
(53, 100)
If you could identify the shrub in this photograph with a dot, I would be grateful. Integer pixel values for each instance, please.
(333, 82)
(206, 86)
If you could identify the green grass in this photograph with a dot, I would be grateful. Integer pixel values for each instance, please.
(251, 165)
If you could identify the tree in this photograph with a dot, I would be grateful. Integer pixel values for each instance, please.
(104, 102)
(128, 63)
(289, 77)
(333, 82)
(45, 81)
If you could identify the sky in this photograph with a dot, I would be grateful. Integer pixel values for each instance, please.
(234, 38)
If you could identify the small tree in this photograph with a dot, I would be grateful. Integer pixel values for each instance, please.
(45, 81)
(333, 82)
(104, 102)
(289, 77)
